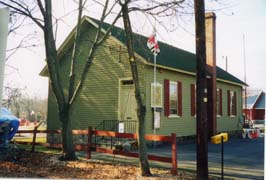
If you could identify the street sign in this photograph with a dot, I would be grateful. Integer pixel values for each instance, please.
(220, 139)
(217, 139)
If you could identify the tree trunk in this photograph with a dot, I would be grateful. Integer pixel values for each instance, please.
(53, 67)
(67, 137)
(141, 110)
(202, 129)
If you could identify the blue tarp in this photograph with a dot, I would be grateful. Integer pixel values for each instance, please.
(7, 117)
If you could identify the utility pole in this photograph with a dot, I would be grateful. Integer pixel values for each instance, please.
(202, 128)
(226, 64)
(245, 80)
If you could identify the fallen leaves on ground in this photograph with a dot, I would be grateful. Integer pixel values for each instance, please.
(44, 165)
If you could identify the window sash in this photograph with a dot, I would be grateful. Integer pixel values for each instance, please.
(232, 103)
(173, 98)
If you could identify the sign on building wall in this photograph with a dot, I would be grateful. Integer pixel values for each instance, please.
(121, 127)
(157, 120)
(157, 100)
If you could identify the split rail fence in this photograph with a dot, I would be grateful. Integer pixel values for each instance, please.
(90, 146)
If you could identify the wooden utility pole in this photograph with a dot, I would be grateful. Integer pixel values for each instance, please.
(202, 130)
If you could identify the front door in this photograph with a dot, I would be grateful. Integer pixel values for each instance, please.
(128, 103)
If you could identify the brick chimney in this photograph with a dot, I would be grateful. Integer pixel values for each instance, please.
(210, 33)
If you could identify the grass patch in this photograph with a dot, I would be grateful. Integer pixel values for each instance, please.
(29, 139)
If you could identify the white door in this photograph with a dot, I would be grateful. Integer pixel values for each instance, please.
(128, 103)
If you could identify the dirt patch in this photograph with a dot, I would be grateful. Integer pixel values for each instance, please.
(44, 165)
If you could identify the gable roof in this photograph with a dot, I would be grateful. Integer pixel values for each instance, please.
(170, 57)
(255, 99)
(251, 100)
(260, 104)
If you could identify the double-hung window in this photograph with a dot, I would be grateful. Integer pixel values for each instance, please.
(172, 98)
(231, 103)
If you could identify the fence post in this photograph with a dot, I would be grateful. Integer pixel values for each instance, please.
(34, 138)
(174, 155)
(89, 143)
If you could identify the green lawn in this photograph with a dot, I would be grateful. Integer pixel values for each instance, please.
(29, 139)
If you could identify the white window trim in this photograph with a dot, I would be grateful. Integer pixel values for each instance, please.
(232, 93)
(173, 115)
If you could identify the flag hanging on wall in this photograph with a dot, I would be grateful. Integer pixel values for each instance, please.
(153, 44)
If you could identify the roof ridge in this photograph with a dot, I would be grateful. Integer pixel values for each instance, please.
(256, 100)
(171, 56)
(135, 33)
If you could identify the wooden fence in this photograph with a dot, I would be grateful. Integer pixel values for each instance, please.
(90, 146)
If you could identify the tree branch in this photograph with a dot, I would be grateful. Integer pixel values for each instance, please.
(72, 75)
(97, 42)
(41, 7)
(26, 12)
(165, 5)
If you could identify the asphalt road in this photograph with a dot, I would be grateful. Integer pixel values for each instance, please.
(243, 158)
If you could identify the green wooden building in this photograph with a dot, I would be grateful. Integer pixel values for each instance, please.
(107, 97)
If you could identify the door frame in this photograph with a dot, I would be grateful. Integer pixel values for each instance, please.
(120, 80)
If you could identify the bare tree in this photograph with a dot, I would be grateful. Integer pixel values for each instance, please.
(13, 99)
(43, 9)
(64, 101)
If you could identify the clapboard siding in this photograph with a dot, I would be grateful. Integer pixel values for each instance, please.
(53, 122)
(99, 96)
(98, 99)
(182, 126)
(186, 124)
(226, 123)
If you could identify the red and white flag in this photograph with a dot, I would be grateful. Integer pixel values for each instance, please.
(153, 44)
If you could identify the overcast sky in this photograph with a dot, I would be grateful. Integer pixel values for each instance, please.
(243, 18)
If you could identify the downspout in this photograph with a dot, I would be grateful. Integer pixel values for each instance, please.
(4, 19)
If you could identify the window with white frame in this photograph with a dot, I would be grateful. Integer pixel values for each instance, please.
(231, 97)
(173, 98)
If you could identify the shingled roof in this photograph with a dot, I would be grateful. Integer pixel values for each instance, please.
(255, 99)
(169, 56)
